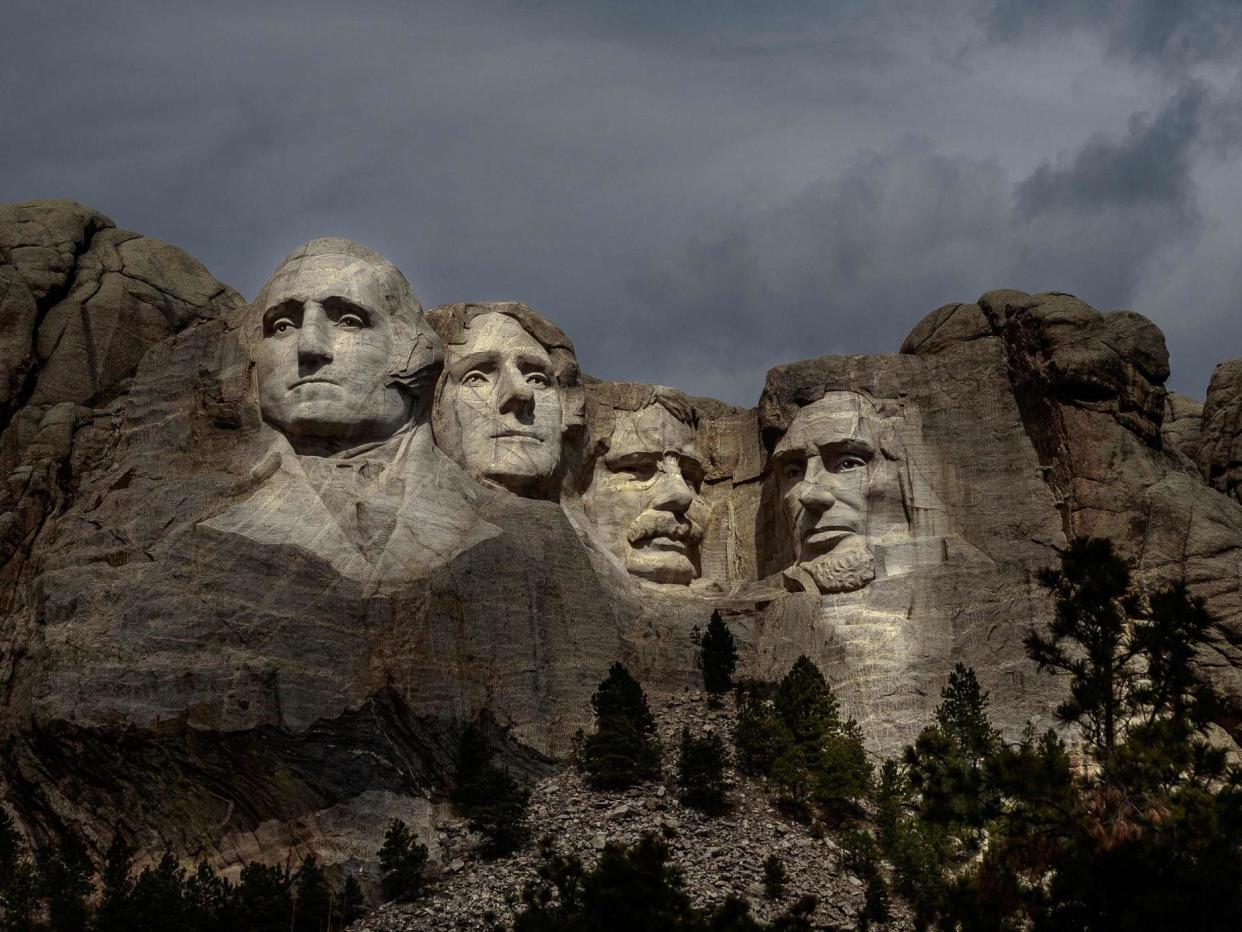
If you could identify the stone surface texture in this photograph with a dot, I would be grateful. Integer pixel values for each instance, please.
(262, 562)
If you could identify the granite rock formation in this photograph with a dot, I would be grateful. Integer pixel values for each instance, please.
(261, 562)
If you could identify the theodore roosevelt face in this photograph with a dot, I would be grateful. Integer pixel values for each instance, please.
(644, 497)
(323, 357)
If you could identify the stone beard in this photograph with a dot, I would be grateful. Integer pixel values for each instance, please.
(644, 493)
(824, 465)
(338, 329)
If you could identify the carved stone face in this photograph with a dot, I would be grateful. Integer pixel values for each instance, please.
(644, 496)
(506, 403)
(323, 357)
(823, 466)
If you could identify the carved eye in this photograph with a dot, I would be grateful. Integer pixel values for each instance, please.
(284, 325)
(638, 471)
(538, 379)
(351, 322)
(474, 377)
(850, 463)
(793, 470)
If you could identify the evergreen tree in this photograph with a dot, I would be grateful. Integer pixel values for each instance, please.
(19, 881)
(700, 771)
(210, 901)
(11, 846)
(1089, 641)
(157, 900)
(403, 861)
(624, 749)
(65, 882)
(488, 796)
(949, 759)
(630, 888)
(761, 735)
(264, 901)
(312, 898)
(113, 913)
(718, 656)
(805, 703)
(351, 905)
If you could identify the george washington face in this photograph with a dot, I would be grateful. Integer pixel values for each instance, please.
(324, 352)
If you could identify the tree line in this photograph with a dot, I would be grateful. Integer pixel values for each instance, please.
(976, 833)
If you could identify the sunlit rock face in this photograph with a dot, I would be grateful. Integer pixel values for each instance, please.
(509, 405)
(270, 557)
(643, 490)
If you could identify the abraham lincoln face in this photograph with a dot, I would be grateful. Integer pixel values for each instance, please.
(824, 465)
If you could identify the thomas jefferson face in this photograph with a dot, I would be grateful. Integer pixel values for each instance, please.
(507, 404)
(323, 358)
(823, 466)
(644, 496)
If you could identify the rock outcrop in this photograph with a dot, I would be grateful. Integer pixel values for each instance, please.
(261, 563)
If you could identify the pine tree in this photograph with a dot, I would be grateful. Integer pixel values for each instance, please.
(718, 656)
(402, 860)
(113, 912)
(351, 905)
(948, 761)
(312, 898)
(805, 703)
(700, 771)
(65, 882)
(1089, 641)
(630, 888)
(760, 735)
(210, 901)
(264, 901)
(157, 899)
(624, 749)
(11, 846)
(488, 796)
(19, 881)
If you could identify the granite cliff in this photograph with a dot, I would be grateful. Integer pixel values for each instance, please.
(259, 563)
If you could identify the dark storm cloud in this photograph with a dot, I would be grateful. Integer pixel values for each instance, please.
(850, 263)
(1166, 33)
(1150, 164)
(695, 191)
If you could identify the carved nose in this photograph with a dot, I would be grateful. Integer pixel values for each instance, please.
(817, 496)
(515, 393)
(315, 338)
(672, 493)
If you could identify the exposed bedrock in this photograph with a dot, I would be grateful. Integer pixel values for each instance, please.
(259, 563)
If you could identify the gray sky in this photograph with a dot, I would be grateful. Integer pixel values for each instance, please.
(695, 191)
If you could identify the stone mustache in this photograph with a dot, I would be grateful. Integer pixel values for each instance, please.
(350, 369)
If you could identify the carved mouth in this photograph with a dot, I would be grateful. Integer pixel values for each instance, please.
(831, 535)
(312, 380)
(513, 433)
(667, 544)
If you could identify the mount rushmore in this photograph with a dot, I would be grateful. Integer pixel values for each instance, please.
(263, 561)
